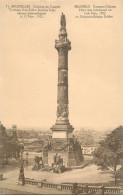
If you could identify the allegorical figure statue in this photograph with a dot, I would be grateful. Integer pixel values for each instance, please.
(62, 111)
(63, 20)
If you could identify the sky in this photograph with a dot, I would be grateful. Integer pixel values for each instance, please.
(29, 63)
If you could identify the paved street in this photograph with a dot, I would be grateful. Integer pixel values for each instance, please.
(89, 174)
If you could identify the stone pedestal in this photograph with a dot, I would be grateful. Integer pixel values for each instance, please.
(45, 157)
(68, 158)
(69, 151)
(62, 130)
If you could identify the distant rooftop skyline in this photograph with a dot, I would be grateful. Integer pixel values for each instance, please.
(39, 128)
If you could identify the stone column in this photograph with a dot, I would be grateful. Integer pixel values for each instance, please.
(62, 141)
(63, 45)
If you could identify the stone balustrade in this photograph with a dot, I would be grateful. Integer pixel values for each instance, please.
(49, 185)
(66, 187)
(83, 188)
(31, 182)
(112, 190)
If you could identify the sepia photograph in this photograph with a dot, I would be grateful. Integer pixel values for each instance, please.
(61, 94)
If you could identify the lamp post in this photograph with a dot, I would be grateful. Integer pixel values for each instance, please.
(27, 158)
(21, 175)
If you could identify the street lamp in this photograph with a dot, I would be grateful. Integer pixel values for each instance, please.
(21, 175)
(27, 158)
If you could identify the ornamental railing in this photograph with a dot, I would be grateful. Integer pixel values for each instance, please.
(82, 188)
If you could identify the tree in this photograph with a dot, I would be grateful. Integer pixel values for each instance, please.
(110, 152)
(9, 145)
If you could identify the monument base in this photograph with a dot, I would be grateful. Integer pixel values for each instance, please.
(69, 158)
(67, 150)
(62, 146)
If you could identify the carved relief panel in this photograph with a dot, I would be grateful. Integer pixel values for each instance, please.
(62, 111)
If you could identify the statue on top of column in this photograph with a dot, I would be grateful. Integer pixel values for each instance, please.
(63, 21)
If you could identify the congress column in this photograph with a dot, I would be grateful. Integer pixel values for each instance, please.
(62, 128)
